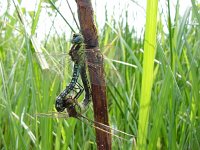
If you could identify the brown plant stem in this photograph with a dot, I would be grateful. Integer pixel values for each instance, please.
(89, 32)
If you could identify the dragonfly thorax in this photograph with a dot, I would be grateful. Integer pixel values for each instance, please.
(77, 55)
(76, 50)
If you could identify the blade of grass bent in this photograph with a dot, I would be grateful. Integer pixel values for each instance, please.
(42, 61)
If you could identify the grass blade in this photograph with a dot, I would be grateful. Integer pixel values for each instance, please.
(147, 76)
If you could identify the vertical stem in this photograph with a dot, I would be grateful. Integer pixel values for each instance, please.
(89, 32)
(147, 74)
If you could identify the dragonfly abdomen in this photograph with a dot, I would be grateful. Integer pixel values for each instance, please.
(62, 96)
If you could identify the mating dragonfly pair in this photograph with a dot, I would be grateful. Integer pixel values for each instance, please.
(68, 98)
(65, 101)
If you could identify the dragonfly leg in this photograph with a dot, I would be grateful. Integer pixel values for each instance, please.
(80, 88)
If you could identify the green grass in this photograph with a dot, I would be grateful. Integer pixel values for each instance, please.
(148, 72)
(172, 120)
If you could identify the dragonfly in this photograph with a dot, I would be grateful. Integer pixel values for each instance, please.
(78, 55)
(68, 106)
(63, 101)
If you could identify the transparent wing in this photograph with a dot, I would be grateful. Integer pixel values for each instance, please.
(99, 126)
(95, 63)
(58, 62)
(55, 62)
(53, 115)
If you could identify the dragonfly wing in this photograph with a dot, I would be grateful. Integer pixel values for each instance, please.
(53, 115)
(97, 125)
(57, 62)
(98, 67)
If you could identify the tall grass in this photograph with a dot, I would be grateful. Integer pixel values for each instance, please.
(26, 89)
(148, 73)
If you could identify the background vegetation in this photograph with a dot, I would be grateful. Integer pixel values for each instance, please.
(26, 88)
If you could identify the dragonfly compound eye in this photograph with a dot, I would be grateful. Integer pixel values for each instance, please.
(77, 39)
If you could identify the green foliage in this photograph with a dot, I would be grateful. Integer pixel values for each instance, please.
(173, 107)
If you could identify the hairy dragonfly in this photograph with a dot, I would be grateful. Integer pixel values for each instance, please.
(69, 104)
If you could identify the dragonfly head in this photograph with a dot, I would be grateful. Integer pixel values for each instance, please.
(61, 104)
(72, 111)
(77, 38)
